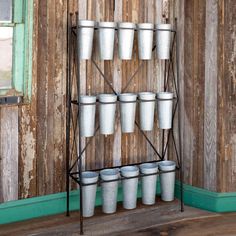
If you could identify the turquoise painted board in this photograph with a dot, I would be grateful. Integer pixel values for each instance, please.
(48, 205)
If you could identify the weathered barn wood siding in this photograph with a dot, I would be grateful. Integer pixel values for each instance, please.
(9, 154)
(51, 80)
(210, 103)
(209, 147)
(32, 137)
(27, 128)
(226, 115)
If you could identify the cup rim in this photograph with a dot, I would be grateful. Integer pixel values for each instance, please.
(167, 163)
(128, 25)
(129, 169)
(107, 95)
(84, 22)
(89, 98)
(109, 172)
(128, 96)
(89, 174)
(145, 25)
(163, 26)
(150, 165)
(146, 95)
(107, 24)
(165, 95)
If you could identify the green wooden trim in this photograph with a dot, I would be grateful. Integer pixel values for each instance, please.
(207, 200)
(6, 24)
(18, 11)
(197, 197)
(18, 57)
(36, 207)
(56, 203)
(29, 208)
(28, 56)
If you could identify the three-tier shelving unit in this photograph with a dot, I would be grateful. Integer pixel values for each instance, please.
(73, 135)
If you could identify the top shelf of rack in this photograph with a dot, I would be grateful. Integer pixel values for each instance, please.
(116, 28)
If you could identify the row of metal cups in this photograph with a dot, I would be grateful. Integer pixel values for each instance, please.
(129, 178)
(107, 110)
(106, 35)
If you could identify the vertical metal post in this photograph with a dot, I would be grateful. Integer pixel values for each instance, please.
(163, 145)
(163, 131)
(79, 114)
(68, 111)
(179, 121)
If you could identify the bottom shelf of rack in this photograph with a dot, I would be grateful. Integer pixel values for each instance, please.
(123, 220)
(174, 206)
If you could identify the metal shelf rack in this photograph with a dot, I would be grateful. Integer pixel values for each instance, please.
(73, 70)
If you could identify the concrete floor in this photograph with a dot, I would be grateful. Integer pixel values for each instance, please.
(162, 219)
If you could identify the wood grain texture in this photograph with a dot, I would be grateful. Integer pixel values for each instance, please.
(180, 40)
(193, 92)
(210, 104)
(187, 93)
(198, 93)
(41, 98)
(51, 97)
(117, 72)
(9, 154)
(226, 114)
(59, 96)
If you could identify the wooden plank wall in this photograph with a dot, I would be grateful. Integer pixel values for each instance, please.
(32, 137)
(8, 154)
(226, 115)
(209, 94)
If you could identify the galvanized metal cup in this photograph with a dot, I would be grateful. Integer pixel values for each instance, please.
(85, 39)
(127, 111)
(109, 190)
(145, 40)
(165, 106)
(146, 110)
(89, 192)
(149, 183)
(107, 111)
(167, 180)
(163, 40)
(106, 39)
(130, 186)
(87, 117)
(126, 40)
